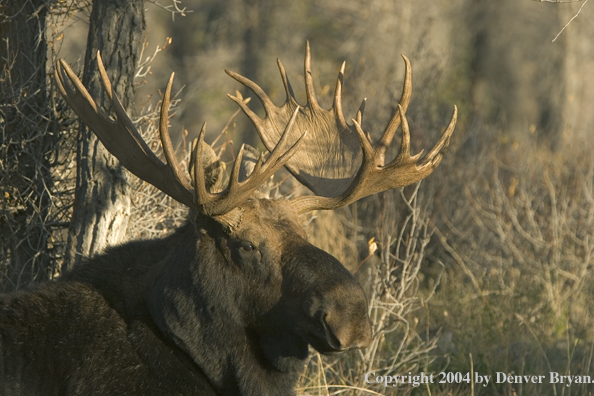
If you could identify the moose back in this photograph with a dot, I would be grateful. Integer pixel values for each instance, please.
(229, 303)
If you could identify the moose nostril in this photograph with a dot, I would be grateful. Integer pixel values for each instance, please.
(349, 327)
(331, 336)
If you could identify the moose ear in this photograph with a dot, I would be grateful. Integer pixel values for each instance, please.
(230, 220)
(248, 162)
(213, 180)
(213, 170)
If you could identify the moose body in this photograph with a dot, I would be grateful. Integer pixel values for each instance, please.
(76, 337)
(91, 333)
(229, 303)
(196, 313)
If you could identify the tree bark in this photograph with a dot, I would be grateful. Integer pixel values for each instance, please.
(102, 207)
(25, 145)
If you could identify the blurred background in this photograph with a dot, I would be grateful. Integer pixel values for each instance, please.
(484, 266)
(496, 60)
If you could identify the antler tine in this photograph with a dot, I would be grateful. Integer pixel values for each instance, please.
(443, 142)
(234, 178)
(251, 115)
(359, 116)
(120, 137)
(104, 78)
(215, 204)
(337, 104)
(309, 88)
(288, 89)
(404, 154)
(365, 144)
(166, 138)
(202, 195)
(382, 145)
(255, 88)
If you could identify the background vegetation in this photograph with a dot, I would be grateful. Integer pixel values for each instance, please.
(485, 266)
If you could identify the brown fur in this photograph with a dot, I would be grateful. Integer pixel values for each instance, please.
(221, 306)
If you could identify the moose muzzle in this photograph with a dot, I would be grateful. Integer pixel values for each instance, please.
(339, 318)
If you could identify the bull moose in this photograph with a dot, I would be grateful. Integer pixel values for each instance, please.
(230, 302)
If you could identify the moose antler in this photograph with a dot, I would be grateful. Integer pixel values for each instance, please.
(123, 140)
(339, 162)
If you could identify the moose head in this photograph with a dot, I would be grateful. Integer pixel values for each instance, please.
(239, 290)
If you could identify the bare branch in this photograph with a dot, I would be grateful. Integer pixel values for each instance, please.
(571, 20)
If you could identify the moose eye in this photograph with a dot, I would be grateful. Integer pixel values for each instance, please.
(247, 246)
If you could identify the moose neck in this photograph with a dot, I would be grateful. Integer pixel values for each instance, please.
(202, 308)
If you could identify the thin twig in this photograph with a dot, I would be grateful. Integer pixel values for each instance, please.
(567, 24)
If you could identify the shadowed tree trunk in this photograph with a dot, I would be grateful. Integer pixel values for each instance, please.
(257, 28)
(518, 86)
(257, 25)
(25, 144)
(579, 63)
(117, 29)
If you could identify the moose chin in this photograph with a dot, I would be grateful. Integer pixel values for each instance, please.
(230, 302)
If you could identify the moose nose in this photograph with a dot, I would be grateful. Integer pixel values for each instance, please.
(348, 328)
(342, 314)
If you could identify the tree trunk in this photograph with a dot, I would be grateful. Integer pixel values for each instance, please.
(25, 145)
(256, 31)
(102, 207)
(515, 70)
(579, 63)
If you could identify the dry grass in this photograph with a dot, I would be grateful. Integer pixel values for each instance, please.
(514, 234)
(389, 269)
(519, 258)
